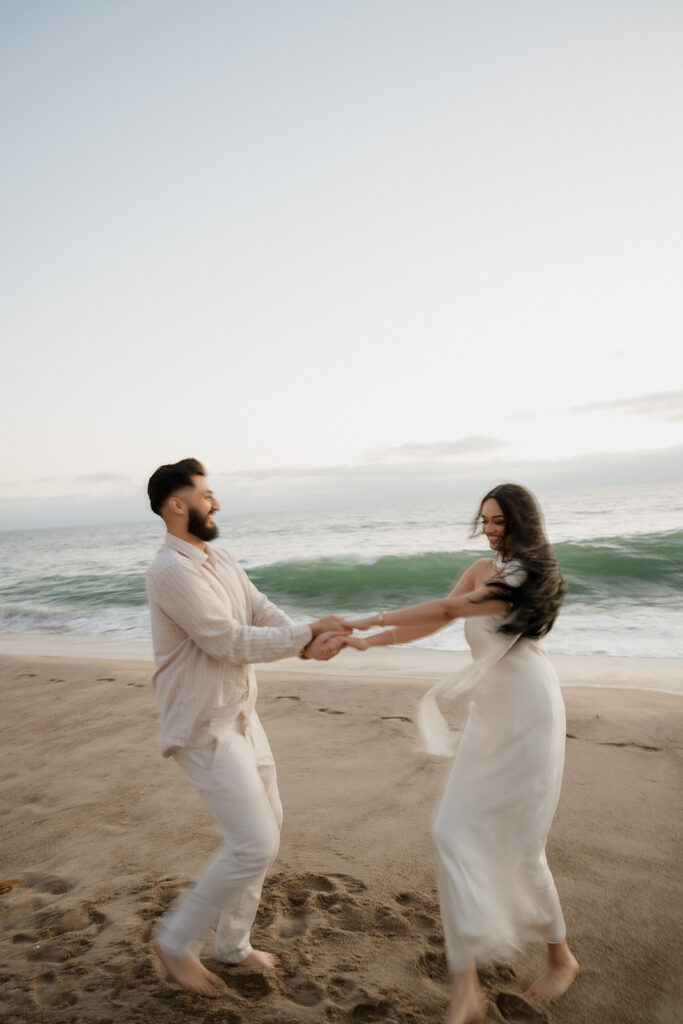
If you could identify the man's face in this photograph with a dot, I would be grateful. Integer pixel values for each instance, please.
(201, 507)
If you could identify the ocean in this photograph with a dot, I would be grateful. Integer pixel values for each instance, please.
(620, 548)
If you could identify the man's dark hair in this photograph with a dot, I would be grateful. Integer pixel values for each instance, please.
(166, 480)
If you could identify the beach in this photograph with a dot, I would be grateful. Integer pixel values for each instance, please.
(100, 833)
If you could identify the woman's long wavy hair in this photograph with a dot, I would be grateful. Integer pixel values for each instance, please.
(536, 602)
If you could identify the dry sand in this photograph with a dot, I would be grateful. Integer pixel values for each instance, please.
(102, 832)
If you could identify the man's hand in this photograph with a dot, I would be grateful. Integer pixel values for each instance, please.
(330, 624)
(326, 645)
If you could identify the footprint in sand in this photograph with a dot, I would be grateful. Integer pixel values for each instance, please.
(414, 901)
(372, 1012)
(56, 939)
(25, 898)
(422, 915)
(336, 926)
(133, 975)
(49, 995)
(48, 991)
(289, 901)
(251, 985)
(58, 952)
(75, 919)
(304, 992)
(156, 895)
(223, 1017)
(316, 883)
(638, 746)
(433, 965)
(48, 883)
(386, 922)
(326, 916)
(516, 1010)
(349, 883)
(493, 975)
(291, 925)
(54, 934)
(341, 989)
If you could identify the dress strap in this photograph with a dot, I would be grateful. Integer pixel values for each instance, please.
(436, 737)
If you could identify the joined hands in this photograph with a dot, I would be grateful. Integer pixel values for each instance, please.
(325, 645)
(332, 632)
(329, 634)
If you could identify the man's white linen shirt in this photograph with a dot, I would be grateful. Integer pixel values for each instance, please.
(209, 624)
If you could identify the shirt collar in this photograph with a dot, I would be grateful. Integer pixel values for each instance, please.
(183, 547)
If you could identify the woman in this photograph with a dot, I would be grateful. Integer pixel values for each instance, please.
(495, 886)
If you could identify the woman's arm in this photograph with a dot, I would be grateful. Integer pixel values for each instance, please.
(422, 619)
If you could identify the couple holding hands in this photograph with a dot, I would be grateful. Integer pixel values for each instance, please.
(210, 625)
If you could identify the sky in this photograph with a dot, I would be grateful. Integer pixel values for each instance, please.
(338, 250)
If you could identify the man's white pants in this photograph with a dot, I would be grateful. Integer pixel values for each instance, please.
(236, 779)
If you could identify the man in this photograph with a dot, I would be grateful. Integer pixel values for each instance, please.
(209, 624)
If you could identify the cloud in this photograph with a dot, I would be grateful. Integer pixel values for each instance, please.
(663, 405)
(436, 480)
(361, 485)
(473, 445)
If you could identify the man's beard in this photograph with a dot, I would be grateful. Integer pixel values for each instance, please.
(197, 525)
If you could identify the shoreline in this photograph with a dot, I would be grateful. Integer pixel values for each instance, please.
(656, 675)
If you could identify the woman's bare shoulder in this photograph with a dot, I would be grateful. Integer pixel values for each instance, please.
(484, 569)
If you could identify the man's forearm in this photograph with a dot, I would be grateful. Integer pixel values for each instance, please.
(249, 644)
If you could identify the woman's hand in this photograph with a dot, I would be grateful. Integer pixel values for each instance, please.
(359, 642)
(366, 623)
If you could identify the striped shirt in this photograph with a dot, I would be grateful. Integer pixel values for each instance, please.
(209, 624)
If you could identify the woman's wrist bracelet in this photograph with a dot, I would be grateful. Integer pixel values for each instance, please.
(380, 618)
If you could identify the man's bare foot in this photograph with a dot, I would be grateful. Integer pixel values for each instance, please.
(261, 960)
(468, 1003)
(190, 974)
(562, 970)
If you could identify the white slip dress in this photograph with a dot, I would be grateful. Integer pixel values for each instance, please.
(495, 887)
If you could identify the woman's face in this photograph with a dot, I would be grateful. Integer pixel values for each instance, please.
(493, 523)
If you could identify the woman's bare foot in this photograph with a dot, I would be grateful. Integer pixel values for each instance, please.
(468, 1002)
(562, 970)
(261, 960)
(190, 974)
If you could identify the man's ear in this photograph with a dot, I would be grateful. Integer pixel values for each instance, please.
(176, 506)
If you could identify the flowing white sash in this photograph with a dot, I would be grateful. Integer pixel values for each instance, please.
(435, 735)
